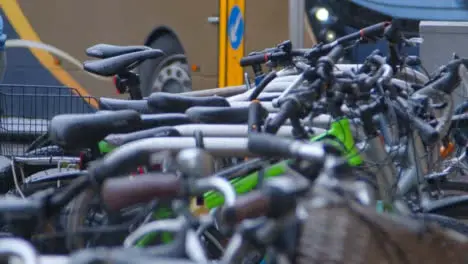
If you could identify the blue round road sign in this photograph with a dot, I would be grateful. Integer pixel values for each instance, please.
(235, 26)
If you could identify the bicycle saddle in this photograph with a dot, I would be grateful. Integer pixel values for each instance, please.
(218, 115)
(117, 140)
(119, 64)
(112, 104)
(176, 103)
(74, 131)
(104, 51)
(157, 120)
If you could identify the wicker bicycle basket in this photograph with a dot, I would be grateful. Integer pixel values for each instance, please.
(338, 230)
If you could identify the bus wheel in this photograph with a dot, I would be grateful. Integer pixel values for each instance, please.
(169, 74)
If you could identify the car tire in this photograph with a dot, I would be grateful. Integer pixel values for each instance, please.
(167, 74)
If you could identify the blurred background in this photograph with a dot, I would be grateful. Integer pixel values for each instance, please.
(203, 40)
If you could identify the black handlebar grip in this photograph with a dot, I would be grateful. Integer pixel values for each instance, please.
(263, 83)
(428, 134)
(251, 205)
(120, 162)
(392, 32)
(370, 31)
(257, 115)
(269, 145)
(336, 53)
(374, 30)
(447, 83)
(254, 59)
(122, 192)
(286, 110)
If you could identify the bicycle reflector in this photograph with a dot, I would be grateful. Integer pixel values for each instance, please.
(119, 84)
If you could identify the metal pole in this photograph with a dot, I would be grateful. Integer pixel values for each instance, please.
(296, 22)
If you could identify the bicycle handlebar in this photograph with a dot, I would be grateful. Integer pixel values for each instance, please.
(256, 116)
(118, 193)
(275, 199)
(335, 54)
(370, 31)
(385, 71)
(274, 146)
(252, 205)
(428, 134)
(291, 106)
(326, 63)
(119, 255)
(279, 54)
(254, 59)
(288, 108)
(263, 83)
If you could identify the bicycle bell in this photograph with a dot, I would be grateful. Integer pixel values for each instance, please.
(195, 162)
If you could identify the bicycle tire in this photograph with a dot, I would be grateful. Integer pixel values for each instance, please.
(80, 207)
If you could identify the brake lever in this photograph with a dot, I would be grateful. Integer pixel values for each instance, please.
(436, 176)
(414, 42)
(439, 105)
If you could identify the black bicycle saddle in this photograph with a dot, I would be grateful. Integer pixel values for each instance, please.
(176, 103)
(218, 115)
(121, 139)
(113, 104)
(74, 131)
(120, 64)
(168, 119)
(104, 51)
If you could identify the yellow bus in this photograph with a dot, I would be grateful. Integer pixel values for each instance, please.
(203, 39)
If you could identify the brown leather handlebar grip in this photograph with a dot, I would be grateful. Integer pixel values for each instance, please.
(251, 205)
(118, 193)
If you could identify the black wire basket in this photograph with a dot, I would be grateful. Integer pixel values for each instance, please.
(26, 111)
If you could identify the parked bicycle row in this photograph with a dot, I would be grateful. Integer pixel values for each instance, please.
(312, 161)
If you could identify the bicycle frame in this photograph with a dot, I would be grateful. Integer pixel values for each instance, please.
(340, 133)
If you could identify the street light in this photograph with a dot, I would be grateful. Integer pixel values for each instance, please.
(322, 14)
(330, 35)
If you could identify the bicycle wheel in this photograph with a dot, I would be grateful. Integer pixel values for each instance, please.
(53, 243)
(86, 206)
(86, 212)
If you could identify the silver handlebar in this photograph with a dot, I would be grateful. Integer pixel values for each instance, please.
(19, 248)
(219, 184)
(174, 225)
